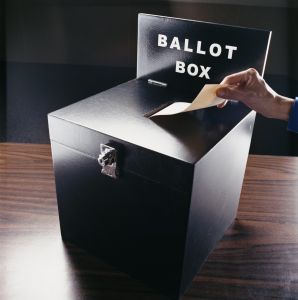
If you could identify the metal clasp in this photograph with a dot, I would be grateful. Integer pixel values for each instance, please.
(107, 159)
(158, 83)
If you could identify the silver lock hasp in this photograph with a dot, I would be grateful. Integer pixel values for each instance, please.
(107, 159)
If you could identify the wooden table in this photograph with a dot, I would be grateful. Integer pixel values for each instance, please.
(256, 259)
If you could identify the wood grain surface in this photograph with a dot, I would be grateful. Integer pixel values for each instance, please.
(256, 259)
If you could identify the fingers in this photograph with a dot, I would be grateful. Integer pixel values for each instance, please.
(236, 78)
(240, 77)
(238, 86)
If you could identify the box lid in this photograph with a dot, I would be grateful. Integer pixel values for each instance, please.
(119, 113)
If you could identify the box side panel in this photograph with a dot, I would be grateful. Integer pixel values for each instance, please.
(216, 191)
(133, 223)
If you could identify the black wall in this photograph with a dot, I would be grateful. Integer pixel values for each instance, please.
(55, 52)
(2, 73)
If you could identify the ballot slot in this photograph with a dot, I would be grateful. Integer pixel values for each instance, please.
(158, 109)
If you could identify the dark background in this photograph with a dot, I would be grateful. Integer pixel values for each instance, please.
(56, 52)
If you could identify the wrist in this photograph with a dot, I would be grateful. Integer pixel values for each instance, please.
(283, 108)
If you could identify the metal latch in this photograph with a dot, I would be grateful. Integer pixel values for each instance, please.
(108, 160)
(158, 83)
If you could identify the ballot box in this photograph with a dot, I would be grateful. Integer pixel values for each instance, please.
(153, 196)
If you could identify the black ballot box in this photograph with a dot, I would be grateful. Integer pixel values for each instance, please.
(153, 196)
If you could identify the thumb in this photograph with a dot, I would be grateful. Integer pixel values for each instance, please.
(228, 92)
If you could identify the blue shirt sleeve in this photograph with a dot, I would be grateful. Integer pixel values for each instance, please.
(293, 119)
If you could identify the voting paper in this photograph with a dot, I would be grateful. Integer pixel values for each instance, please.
(206, 98)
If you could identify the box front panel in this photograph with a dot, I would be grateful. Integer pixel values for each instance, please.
(135, 224)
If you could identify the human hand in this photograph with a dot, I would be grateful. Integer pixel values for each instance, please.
(251, 89)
